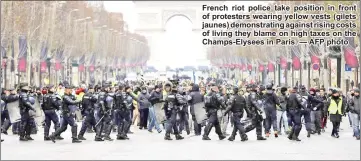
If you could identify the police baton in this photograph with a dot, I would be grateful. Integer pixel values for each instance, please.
(100, 120)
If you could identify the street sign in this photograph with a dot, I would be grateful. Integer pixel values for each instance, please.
(315, 66)
(347, 68)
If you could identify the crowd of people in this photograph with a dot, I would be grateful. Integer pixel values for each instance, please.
(177, 107)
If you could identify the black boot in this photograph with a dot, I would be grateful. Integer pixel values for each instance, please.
(179, 137)
(308, 134)
(205, 137)
(244, 137)
(108, 138)
(221, 137)
(231, 138)
(59, 137)
(23, 138)
(81, 137)
(29, 138)
(207, 130)
(76, 140)
(167, 136)
(52, 138)
(295, 138)
(47, 138)
(2, 140)
(98, 138)
(260, 137)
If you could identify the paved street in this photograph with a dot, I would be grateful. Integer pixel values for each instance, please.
(144, 145)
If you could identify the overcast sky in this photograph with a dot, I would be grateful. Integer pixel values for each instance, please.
(178, 43)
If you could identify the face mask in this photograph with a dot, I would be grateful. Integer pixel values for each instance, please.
(144, 91)
(352, 94)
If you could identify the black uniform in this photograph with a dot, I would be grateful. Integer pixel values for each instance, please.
(88, 105)
(173, 101)
(120, 110)
(236, 105)
(68, 119)
(105, 122)
(196, 97)
(213, 103)
(184, 115)
(50, 104)
(270, 102)
(26, 120)
(255, 111)
(294, 107)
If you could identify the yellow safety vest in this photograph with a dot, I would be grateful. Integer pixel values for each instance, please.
(334, 107)
(165, 93)
(80, 96)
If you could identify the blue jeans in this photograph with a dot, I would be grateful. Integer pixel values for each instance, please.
(355, 119)
(282, 120)
(153, 120)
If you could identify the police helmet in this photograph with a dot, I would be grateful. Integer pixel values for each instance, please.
(32, 100)
(269, 86)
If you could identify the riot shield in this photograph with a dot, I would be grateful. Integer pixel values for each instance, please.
(39, 117)
(14, 111)
(159, 112)
(200, 112)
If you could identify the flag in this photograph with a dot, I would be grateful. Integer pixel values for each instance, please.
(58, 59)
(12, 65)
(43, 56)
(3, 54)
(296, 62)
(249, 65)
(349, 53)
(315, 60)
(23, 54)
(92, 63)
(81, 63)
(283, 62)
(244, 64)
(271, 67)
(260, 67)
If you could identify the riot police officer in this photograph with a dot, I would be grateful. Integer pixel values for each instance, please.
(125, 113)
(105, 121)
(88, 105)
(120, 112)
(294, 107)
(236, 104)
(68, 116)
(196, 98)
(213, 102)
(270, 102)
(173, 101)
(255, 111)
(51, 102)
(26, 121)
